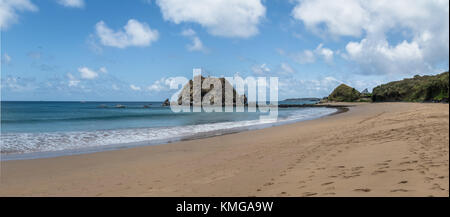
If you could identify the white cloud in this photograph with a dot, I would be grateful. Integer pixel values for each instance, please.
(281, 70)
(292, 87)
(310, 56)
(87, 73)
(343, 17)
(188, 32)
(71, 3)
(9, 10)
(73, 82)
(423, 24)
(93, 44)
(228, 18)
(197, 44)
(306, 56)
(18, 84)
(261, 70)
(326, 53)
(162, 84)
(287, 68)
(135, 88)
(103, 70)
(135, 34)
(380, 57)
(6, 58)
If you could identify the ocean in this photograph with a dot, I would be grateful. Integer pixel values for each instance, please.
(40, 129)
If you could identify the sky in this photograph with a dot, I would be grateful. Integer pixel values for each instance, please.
(114, 50)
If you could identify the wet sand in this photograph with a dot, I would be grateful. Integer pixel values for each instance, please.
(380, 149)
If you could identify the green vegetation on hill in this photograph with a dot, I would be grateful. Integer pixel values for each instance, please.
(344, 93)
(417, 89)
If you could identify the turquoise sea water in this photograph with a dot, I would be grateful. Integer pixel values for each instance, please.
(28, 127)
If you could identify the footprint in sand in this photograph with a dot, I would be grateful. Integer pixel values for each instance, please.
(327, 183)
(268, 184)
(399, 190)
(329, 193)
(308, 194)
(437, 187)
(357, 168)
(378, 172)
(362, 190)
(408, 162)
(348, 177)
(403, 182)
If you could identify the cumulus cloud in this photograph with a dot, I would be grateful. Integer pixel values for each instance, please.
(196, 44)
(227, 18)
(71, 3)
(325, 53)
(380, 57)
(87, 73)
(423, 24)
(342, 17)
(310, 56)
(135, 33)
(9, 10)
(134, 87)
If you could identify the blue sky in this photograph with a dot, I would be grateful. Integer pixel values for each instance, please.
(116, 50)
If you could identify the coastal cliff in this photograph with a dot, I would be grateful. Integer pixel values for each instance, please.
(429, 88)
(417, 89)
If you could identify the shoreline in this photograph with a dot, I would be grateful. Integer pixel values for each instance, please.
(380, 149)
(119, 146)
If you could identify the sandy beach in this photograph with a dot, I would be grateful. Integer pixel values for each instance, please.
(379, 149)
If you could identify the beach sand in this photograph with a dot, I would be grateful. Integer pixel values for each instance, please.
(380, 149)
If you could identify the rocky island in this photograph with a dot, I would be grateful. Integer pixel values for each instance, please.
(188, 89)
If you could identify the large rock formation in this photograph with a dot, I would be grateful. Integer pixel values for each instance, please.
(188, 89)
(166, 103)
(417, 89)
(344, 93)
